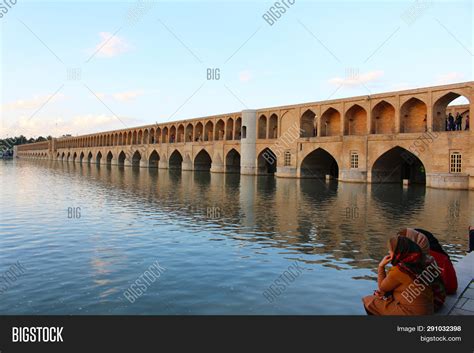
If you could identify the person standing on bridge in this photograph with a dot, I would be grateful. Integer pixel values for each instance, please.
(458, 122)
(451, 122)
(467, 122)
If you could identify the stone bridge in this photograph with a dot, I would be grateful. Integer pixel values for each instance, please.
(382, 138)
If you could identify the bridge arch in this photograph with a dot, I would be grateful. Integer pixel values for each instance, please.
(307, 124)
(153, 159)
(172, 134)
(81, 157)
(220, 130)
(68, 156)
(331, 122)
(74, 156)
(397, 164)
(383, 118)
(176, 160)
(355, 122)
(262, 127)
(136, 158)
(121, 158)
(441, 106)
(232, 161)
(266, 162)
(89, 157)
(319, 163)
(238, 128)
(202, 161)
(199, 132)
(98, 157)
(110, 156)
(208, 131)
(229, 129)
(164, 133)
(273, 126)
(189, 133)
(413, 114)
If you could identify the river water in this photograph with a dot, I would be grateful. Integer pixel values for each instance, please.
(85, 233)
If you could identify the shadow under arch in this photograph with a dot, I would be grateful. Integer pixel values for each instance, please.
(175, 160)
(232, 161)
(153, 159)
(396, 165)
(319, 163)
(202, 161)
(266, 162)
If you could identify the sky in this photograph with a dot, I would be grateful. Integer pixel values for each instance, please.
(78, 67)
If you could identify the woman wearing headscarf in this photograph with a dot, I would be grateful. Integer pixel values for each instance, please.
(398, 292)
(448, 273)
(434, 279)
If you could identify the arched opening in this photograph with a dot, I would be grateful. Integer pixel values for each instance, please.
(413, 116)
(74, 156)
(129, 139)
(180, 137)
(356, 121)
(189, 133)
(308, 127)
(199, 132)
(262, 127)
(158, 137)
(173, 134)
(67, 158)
(120, 141)
(136, 159)
(151, 139)
(219, 134)
(208, 131)
(145, 137)
(273, 127)
(202, 161)
(396, 165)
(164, 136)
(110, 156)
(383, 118)
(134, 138)
(229, 129)
(62, 156)
(266, 162)
(89, 157)
(153, 160)
(121, 158)
(98, 157)
(450, 113)
(232, 162)
(238, 129)
(319, 164)
(331, 123)
(175, 161)
(81, 157)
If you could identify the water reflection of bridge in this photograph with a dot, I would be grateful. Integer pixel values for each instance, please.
(341, 225)
(381, 138)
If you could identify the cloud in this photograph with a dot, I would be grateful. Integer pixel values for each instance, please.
(245, 76)
(121, 96)
(355, 78)
(58, 126)
(450, 77)
(111, 45)
(32, 103)
(127, 96)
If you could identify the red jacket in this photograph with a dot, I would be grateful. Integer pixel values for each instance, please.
(448, 274)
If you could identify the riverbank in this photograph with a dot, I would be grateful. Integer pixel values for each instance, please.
(462, 303)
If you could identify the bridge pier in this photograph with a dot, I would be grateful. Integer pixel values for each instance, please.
(163, 164)
(217, 168)
(353, 176)
(187, 165)
(248, 143)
